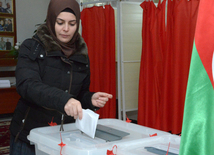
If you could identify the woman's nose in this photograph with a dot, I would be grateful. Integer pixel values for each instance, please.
(66, 27)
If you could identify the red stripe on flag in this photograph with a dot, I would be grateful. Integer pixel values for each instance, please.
(204, 36)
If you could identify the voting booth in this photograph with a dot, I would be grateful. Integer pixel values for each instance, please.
(112, 135)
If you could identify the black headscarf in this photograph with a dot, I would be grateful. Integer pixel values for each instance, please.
(54, 9)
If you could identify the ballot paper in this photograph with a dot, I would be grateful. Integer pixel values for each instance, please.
(88, 123)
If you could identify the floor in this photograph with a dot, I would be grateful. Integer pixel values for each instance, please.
(132, 114)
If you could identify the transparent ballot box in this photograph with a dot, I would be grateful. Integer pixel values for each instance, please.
(109, 133)
(159, 145)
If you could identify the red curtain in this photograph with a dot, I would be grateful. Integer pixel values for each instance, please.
(153, 34)
(165, 63)
(98, 31)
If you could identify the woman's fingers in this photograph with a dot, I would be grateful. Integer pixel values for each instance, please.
(73, 108)
(103, 94)
(99, 99)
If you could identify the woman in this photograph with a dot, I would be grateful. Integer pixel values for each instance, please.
(52, 76)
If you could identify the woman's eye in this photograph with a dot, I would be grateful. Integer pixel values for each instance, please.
(59, 23)
(73, 24)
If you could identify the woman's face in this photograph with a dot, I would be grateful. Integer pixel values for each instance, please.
(65, 26)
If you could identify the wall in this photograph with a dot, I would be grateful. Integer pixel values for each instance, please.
(28, 14)
(131, 16)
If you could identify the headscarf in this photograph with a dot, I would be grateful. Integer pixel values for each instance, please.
(54, 9)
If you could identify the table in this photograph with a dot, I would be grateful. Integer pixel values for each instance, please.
(8, 100)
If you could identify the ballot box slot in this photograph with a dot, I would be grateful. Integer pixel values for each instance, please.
(109, 134)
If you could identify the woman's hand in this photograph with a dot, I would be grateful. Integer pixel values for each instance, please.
(99, 99)
(73, 108)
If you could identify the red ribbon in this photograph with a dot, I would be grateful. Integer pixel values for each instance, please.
(61, 144)
(168, 149)
(52, 123)
(110, 152)
(155, 134)
(128, 120)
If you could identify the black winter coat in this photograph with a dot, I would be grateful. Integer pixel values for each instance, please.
(46, 79)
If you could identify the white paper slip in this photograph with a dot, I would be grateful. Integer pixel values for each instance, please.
(88, 123)
(4, 83)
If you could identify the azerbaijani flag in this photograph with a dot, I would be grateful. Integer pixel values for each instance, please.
(197, 137)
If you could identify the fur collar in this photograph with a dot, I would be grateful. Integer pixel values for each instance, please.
(51, 45)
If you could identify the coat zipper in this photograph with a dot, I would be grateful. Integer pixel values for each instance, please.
(69, 90)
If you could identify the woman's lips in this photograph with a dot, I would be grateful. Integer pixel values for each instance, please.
(64, 36)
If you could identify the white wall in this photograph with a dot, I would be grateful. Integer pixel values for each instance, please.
(131, 16)
(28, 14)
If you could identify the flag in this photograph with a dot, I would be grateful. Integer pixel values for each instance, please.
(197, 136)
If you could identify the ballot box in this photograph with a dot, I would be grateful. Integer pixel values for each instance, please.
(158, 145)
(112, 136)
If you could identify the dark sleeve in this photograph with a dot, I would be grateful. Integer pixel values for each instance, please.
(85, 95)
(29, 84)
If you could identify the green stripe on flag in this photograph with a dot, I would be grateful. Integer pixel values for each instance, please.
(197, 137)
